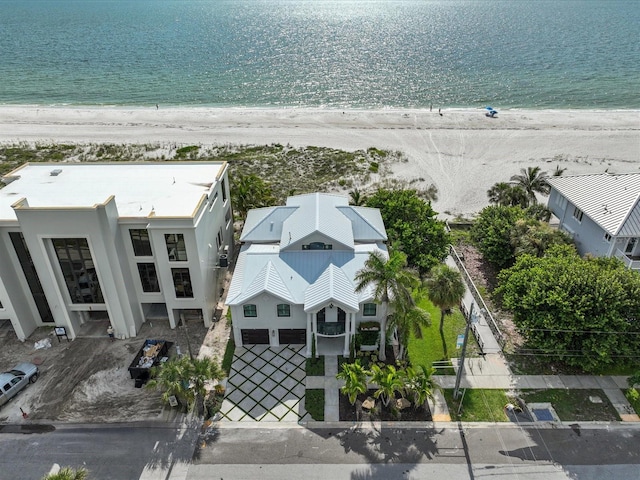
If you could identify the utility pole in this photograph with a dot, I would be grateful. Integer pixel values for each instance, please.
(456, 390)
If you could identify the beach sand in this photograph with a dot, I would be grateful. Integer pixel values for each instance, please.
(462, 151)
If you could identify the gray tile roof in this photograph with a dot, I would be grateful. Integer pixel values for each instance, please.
(612, 201)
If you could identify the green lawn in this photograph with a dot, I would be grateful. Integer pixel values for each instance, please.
(315, 367)
(227, 360)
(314, 403)
(429, 349)
(478, 405)
(574, 405)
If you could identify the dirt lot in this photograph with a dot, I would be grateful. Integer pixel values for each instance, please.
(87, 379)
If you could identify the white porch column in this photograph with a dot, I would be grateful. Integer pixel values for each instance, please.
(309, 332)
(347, 334)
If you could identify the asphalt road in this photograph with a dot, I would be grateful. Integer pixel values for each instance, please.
(452, 452)
(118, 452)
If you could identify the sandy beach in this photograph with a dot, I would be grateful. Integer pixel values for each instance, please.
(462, 151)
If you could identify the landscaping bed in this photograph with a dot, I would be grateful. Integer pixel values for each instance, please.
(355, 413)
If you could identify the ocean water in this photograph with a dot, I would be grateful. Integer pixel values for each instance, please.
(322, 53)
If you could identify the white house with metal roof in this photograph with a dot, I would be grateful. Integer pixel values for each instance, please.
(128, 241)
(294, 277)
(601, 212)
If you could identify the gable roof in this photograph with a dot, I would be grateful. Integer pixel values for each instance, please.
(612, 201)
(332, 286)
(267, 280)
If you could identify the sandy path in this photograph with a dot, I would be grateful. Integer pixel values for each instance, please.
(463, 152)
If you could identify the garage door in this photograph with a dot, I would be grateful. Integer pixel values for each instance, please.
(296, 336)
(255, 336)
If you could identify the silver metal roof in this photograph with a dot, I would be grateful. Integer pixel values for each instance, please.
(332, 286)
(322, 214)
(609, 200)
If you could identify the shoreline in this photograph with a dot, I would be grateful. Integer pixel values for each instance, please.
(462, 152)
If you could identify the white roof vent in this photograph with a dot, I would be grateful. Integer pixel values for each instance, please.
(56, 172)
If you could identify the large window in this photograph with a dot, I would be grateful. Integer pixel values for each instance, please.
(224, 191)
(250, 310)
(148, 277)
(78, 269)
(176, 248)
(369, 310)
(577, 214)
(284, 310)
(182, 282)
(140, 242)
(31, 275)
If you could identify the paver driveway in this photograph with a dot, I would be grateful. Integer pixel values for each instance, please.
(266, 384)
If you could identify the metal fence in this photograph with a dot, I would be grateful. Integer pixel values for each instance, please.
(477, 297)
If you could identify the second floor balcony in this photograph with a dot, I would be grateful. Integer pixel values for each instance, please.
(331, 329)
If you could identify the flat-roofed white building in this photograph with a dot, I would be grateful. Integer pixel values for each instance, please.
(129, 240)
(294, 278)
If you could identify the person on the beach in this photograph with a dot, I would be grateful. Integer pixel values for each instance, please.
(110, 333)
(440, 111)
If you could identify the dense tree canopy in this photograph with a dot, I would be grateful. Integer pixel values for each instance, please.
(501, 233)
(582, 311)
(491, 233)
(412, 227)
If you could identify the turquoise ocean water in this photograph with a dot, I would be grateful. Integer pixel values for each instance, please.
(322, 53)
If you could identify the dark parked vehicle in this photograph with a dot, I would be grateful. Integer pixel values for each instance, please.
(16, 379)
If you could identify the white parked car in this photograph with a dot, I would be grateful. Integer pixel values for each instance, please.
(16, 379)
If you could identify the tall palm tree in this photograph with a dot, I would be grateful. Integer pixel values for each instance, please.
(355, 378)
(446, 289)
(532, 180)
(392, 285)
(68, 473)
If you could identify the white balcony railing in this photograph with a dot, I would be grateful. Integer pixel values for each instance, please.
(628, 261)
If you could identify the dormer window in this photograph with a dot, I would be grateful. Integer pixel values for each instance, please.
(318, 246)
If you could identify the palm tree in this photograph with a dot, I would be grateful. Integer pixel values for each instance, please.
(507, 195)
(68, 473)
(202, 370)
(446, 289)
(357, 197)
(185, 379)
(392, 285)
(419, 384)
(532, 180)
(388, 382)
(559, 171)
(250, 191)
(355, 377)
